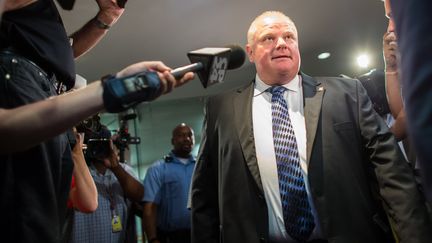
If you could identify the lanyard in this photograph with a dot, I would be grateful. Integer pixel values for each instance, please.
(111, 196)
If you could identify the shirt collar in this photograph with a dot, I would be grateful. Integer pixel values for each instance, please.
(261, 87)
(175, 158)
(94, 171)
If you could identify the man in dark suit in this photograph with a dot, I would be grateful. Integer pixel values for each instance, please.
(291, 158)
(413, 28)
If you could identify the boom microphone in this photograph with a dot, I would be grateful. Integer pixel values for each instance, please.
(211, 63)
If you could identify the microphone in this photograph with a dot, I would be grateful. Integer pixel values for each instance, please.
(211, 63)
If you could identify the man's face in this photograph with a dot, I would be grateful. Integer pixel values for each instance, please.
(389, 15)
(274, 50)
(183, 140)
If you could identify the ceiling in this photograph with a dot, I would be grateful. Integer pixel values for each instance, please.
(167, 29)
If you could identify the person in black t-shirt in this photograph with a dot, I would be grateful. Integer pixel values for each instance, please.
(35, 53)
(35, 57)
(34, 30)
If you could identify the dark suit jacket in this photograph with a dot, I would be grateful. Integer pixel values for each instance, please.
(351, 154)
(414, 31)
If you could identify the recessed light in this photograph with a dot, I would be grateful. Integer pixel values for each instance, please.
(363, 60)
(324, 55)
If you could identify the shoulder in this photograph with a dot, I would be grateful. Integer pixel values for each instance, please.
(225, 100)
(155, 170)
(232, 92)
(337, 82)
(157, 165)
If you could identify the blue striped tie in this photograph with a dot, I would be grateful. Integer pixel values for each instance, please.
(299, 221)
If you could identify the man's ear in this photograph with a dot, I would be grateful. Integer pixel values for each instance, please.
(249, 52)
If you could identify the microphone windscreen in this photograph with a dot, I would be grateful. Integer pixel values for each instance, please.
(237, 56)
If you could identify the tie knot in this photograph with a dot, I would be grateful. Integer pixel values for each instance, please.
(277, 90)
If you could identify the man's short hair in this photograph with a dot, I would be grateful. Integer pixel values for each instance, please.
(253, 26)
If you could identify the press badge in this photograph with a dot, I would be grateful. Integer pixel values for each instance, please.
(116, 224)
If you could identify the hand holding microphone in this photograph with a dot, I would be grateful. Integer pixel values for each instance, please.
(146, 81)
(168, 81)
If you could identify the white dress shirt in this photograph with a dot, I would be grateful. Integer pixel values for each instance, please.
(263, 134)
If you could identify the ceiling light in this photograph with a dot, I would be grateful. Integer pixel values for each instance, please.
(324, 55)
(363, 60)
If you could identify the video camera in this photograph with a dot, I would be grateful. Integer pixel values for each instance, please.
(97, 137)
(98, 148)
(124, 138)
(90, 127)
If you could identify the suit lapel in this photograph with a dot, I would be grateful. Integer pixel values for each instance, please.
(244, 128)
(312, 94)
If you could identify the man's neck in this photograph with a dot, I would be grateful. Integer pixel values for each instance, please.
(181, 155)
(280, 80)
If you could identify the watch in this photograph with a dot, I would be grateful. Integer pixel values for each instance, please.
(100, 24)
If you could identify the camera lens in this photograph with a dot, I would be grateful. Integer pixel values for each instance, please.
(98, 148)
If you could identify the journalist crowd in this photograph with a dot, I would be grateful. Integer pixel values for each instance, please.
(286, 157)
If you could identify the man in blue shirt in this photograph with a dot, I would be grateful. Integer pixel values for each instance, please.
(166, 184)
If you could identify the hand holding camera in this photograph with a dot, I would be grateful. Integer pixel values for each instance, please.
(112, 160)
